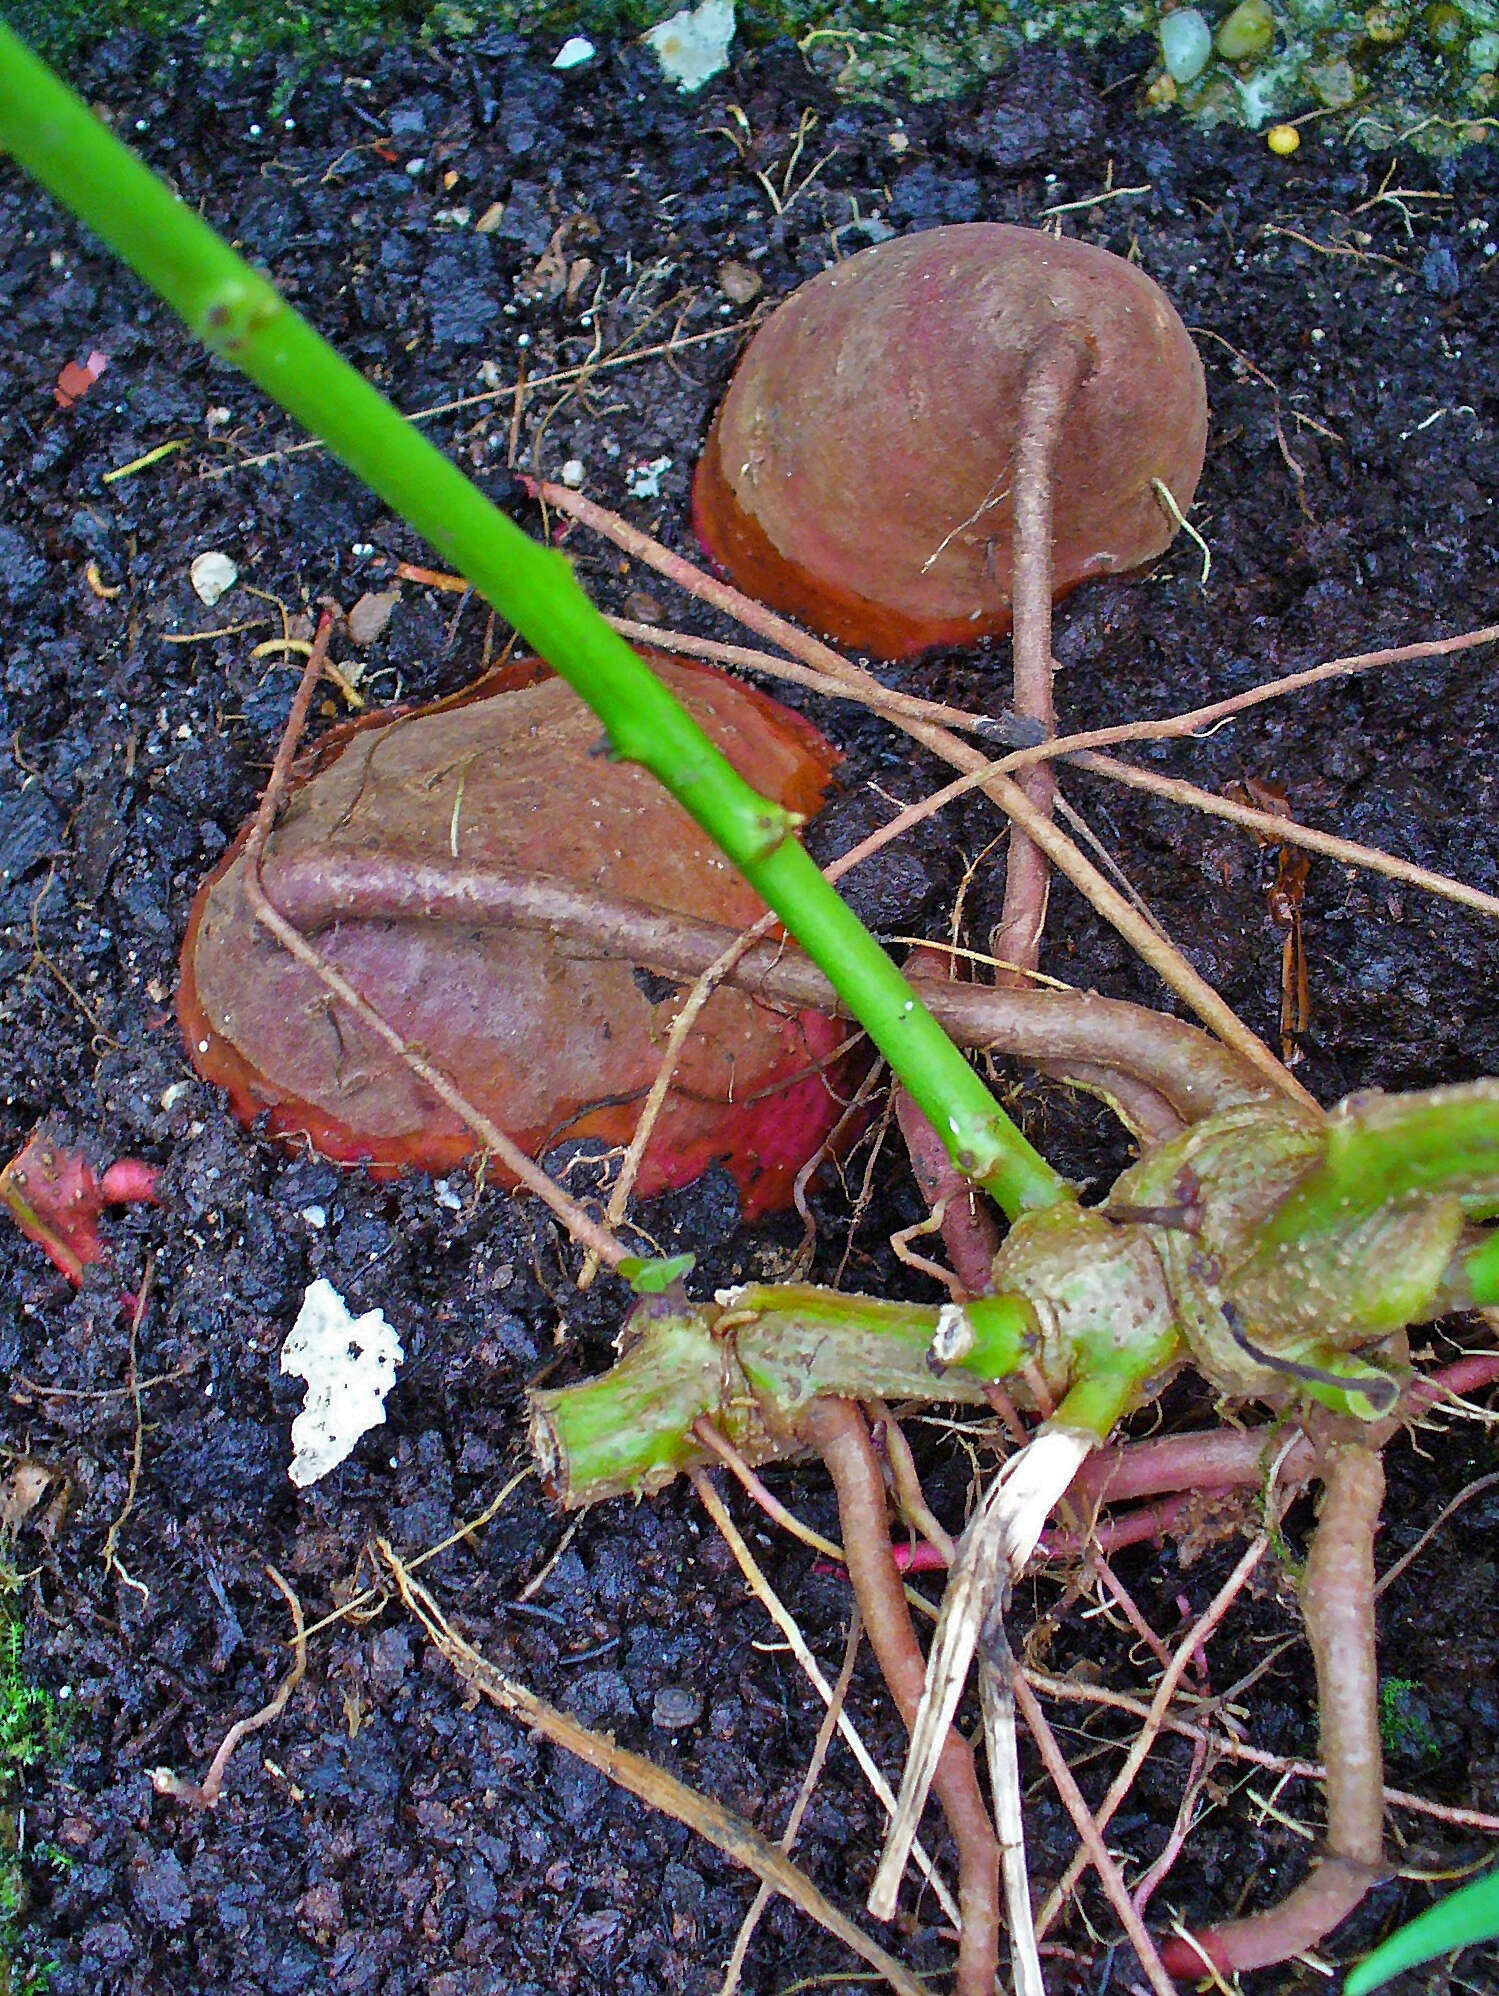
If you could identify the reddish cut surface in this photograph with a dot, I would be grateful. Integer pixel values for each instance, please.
(54, 1198)
(858, 473)
(549, 1040)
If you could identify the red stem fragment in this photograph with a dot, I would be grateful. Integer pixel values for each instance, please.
(51, 1193)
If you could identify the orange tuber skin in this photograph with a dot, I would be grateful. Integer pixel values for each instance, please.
(858, 473)
(551, 1039)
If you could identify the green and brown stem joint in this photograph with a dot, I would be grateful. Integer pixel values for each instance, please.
(1192, 1258)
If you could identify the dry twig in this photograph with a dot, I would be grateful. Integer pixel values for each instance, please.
(205, 1794)
(641, 1778)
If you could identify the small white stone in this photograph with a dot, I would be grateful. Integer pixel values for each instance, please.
(211, 575)
(693, 45)
(349, 1364)
(574, 52)
(643, 480)
(573, 473)
(315, 1216)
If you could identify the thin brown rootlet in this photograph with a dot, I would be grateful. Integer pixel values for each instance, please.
(742, 943)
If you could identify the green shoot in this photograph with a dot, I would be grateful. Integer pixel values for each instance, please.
(649, 1276)
(1462, 1919)
(238, 314)
(29, 1725)
(30, 1730)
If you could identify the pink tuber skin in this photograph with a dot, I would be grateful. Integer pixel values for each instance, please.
(53, 1196)
(551, 1038)
(859, 472)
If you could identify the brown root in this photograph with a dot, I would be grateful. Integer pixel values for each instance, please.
(969, 1230)
(1337, 1599)
(1051, 380)
(1072, 1035)
(836, 1429)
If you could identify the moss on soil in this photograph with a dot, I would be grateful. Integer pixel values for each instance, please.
(30, 1731)
(1392, 72)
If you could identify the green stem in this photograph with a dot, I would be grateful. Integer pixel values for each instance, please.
(1473, 1279)
(1096, 1402)
(751, 1365)
(239, 315)
(1384, 1149)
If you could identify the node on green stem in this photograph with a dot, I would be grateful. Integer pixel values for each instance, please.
(859, 472)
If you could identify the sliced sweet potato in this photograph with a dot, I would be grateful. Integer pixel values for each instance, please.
(550, 1042)
(858, 472)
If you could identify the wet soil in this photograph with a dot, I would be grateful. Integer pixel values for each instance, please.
(380, 1836)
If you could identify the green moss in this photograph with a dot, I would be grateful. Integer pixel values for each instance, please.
(31, 1731)
(1405, 1723)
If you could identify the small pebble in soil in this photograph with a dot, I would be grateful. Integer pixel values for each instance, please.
(1186, 44)
(675, 1706)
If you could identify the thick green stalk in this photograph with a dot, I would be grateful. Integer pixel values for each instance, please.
(750, 1364)
(1385, 1149)
(238, 314)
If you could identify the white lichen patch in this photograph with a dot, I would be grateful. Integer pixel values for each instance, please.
(643, 479)
(349, 1364)
(693, 45)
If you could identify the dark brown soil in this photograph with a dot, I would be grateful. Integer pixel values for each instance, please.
(380, 1837)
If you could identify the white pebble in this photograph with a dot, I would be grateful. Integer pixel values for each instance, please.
(211, 574)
